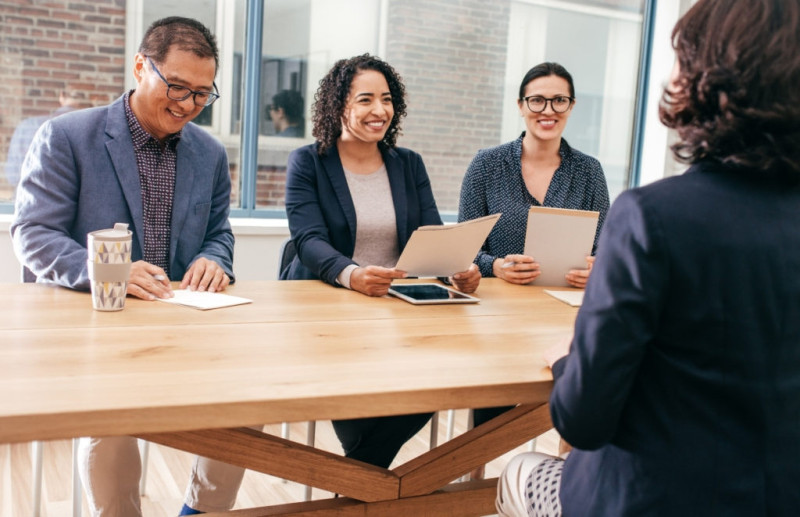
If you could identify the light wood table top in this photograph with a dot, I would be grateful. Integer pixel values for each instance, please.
(302, 350)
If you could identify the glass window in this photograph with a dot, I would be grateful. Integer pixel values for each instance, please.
(461, 61)
(599, 44)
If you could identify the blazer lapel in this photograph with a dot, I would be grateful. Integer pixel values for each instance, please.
(124, 160)
(333, 168)
(394, 169)
(184, 182)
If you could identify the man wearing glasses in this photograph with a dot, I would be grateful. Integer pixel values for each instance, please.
(135, 161)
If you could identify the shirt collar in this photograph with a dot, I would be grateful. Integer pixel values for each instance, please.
(138, 134)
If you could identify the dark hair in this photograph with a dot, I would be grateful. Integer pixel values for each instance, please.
(330, 99)
(185, 33)
(544, 70)
(292, 104)
(736, 99)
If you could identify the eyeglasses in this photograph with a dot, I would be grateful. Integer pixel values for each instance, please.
(177, 92)
(559, 103)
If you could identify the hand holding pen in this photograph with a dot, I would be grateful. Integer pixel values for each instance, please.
(148, 282)
(516, 269)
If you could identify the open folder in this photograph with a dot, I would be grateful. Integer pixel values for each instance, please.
(443, 250)
(559, 240)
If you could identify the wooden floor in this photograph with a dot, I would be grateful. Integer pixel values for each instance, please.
(168, 472)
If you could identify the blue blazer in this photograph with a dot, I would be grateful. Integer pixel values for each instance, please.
(322, 217)
(681, 391)
(81, 175)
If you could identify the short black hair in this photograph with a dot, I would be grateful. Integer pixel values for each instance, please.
(292, 104)
(185, 33)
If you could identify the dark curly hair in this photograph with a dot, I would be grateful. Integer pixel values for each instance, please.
(331, 97)
(736, 99)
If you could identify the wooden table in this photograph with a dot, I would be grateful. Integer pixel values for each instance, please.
(302, 351)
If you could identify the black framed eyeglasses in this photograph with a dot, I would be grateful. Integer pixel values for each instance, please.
(177, 92)
(559, 103)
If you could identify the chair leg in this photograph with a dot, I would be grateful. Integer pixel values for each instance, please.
(144, 452)
(451, 423)
(478, 471)
(77, 491)
(434, 431)
(36, 456)
(311, 438)
(285, 434)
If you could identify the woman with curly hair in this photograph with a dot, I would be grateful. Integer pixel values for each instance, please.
(353, 200)
(680, 392)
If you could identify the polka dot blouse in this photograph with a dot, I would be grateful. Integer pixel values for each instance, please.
(493, 184)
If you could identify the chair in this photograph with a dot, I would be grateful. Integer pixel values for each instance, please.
(285, 255)
(28, 277)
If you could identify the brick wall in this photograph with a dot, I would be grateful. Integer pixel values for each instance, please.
(47, 47)
(451, 54)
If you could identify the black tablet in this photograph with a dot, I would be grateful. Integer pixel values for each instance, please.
(427, 294)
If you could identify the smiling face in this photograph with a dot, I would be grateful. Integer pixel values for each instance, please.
(368, 110)
(159, 115)
(547, 125)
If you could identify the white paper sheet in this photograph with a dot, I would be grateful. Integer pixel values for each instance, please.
(442, 250)
(559, 240)
(572, 298)
(204, 300)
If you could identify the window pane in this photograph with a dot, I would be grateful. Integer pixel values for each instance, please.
(462, 61)
(302, 40)
(54, 59)
(463, 72)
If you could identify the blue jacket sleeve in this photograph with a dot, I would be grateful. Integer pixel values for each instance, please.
(218, 242)
(307, 217)
(46, 204)
(617, 321)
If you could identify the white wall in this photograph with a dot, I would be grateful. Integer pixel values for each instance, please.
(255, 254)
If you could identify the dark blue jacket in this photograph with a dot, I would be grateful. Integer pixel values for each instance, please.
(681, 393)
(322, 217)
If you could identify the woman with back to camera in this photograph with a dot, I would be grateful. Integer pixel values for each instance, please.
(353, 199)
(680, 392)
(539, 168)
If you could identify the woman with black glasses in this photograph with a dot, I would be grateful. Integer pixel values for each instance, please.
(537, 169)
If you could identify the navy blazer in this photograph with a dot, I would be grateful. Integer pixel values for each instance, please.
(681, 391)
(81, 175)
(322, 217)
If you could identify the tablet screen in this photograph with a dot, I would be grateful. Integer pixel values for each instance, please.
(429, 293)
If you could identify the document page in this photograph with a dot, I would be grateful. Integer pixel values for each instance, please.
(442, 250)
(559, 240)
(204, 300)
(571, 298)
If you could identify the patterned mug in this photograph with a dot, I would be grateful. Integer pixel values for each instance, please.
(109, 266)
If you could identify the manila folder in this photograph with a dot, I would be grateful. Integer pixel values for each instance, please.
(559, 240)
(443, 250)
